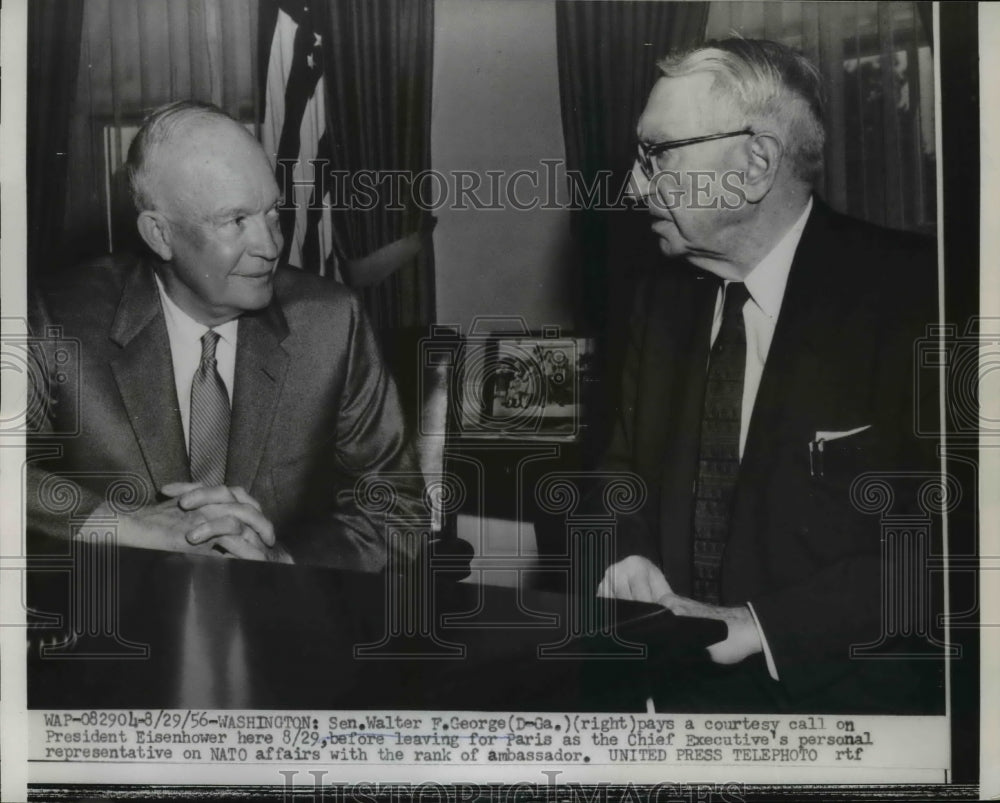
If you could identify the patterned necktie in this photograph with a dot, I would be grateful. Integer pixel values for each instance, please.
(719, 450)
(209, 425)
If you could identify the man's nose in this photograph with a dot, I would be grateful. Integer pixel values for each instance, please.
(267, 239)
(640, 187)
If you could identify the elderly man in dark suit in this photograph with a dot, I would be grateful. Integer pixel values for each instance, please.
(770, 363)
(239, 400)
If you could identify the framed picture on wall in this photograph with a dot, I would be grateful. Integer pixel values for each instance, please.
(524, 386)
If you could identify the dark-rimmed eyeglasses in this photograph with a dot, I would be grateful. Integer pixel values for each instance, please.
(648, 152)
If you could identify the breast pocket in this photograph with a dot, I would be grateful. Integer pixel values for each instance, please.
(836, 458)
(833, 523)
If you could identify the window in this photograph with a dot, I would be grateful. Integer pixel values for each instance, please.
(878, 65)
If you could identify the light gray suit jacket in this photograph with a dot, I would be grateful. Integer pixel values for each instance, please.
(314, 410)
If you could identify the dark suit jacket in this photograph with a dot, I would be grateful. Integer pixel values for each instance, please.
(857, 301)
(313, 410)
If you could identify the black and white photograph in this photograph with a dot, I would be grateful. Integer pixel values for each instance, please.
(529, 386)
(581, 399)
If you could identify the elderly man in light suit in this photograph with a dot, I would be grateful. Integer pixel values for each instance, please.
(243, 400)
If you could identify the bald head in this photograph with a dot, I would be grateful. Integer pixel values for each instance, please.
(208, 209)
(170, 134)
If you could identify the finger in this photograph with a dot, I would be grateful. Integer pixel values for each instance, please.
(214, 528)
(199, 496)
(241, 546)
(250, 516)
(722, 653)
(658, 585)
(280, 555)
(682, 606)
(221, 500)
(606, 586)
(620, 585)
(672, 603)
(639, 587)
(242, 496)
(178, 488)
(170, 505)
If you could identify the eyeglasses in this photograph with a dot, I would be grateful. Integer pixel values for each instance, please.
(649, 152)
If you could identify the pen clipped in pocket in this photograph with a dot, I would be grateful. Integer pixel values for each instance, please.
(835, 453)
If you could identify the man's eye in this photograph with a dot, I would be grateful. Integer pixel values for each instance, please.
(662, 160)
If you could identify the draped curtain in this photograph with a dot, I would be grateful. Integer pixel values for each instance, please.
(607, 54)
(877, 63)
(376, 59)
(129, 58)
(54, 28)
(378, 81)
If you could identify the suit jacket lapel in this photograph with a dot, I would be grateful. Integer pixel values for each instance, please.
(144, 374)
(680, 313)
(261, 365)
(676, 355)
(805, 341)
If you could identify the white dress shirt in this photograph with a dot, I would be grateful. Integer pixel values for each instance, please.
(185, 334)
(766, 285)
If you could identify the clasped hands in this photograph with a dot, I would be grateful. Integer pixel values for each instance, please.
(203, 520)
(637, 578)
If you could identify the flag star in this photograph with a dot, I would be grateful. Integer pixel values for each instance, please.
(311, 61)
(319, 40)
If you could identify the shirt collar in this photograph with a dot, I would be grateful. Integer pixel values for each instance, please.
(766, 282)
(182, 323)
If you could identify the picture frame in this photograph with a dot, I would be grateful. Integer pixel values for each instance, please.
(524, 386)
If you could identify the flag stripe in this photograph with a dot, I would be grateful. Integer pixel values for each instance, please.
(294, 124)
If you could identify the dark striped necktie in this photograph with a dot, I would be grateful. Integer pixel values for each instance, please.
(209, 424)
(719, 450)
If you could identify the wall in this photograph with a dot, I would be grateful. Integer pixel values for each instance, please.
(496, 107)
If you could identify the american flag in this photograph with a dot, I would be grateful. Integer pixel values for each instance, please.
(294, 130)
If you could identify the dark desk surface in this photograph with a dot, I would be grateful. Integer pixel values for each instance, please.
(218, 633)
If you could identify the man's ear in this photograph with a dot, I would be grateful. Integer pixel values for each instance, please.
(154, 229)
(764, 155)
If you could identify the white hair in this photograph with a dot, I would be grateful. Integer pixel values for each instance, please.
(159, 127)
(770, 87)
